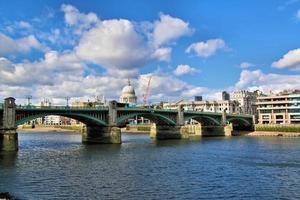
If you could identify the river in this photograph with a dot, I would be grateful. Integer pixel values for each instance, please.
(58, 166)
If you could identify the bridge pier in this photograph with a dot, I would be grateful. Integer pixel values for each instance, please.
(8, 133)
(165, 132)
(205, 131)
(101, 135)
(223, 130)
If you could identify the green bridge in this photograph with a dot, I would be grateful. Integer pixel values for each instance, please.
(103, 125)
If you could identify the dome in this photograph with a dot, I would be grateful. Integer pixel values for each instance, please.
(128, 89)
(128, 94)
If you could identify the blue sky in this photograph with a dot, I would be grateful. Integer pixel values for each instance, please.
(83, 49)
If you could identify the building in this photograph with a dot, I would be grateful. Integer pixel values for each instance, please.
(205, 106)
(247, 101)
(225, 96)
(128, 94)
(283, 108)
(198, 98)
(52, 120)
(89, 104)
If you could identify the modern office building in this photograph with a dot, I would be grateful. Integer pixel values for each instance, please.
(283, 108)
(198, 98)
(225, 96)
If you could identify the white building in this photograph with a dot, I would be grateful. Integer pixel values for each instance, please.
(247, 101)
(205, 106)
(52, 120)
(128, 94)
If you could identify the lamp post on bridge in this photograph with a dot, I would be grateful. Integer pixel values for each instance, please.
(28, 99)
(67, 99)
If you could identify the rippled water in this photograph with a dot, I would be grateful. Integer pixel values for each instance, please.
(58, 166)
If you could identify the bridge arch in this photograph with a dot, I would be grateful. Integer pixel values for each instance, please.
(204, 119)
(153, 117)
(240, 124)
(86, 119)
(239, 121)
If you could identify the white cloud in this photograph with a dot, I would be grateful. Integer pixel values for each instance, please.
(20, 27)
(162, 54)
(245, 65)
(168, 29)
(24, 25)
(77, 20)
(298, 14)
(184, 70)
(290, 60)
(120, 45)
(256, 79)
(21, 45)
(46, 71)
(5, 64)
(114, 44)
(206, 49)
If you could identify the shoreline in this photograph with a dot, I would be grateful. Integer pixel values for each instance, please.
(273, 134)
(46, 129)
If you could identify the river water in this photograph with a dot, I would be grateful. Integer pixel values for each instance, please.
(58, 166)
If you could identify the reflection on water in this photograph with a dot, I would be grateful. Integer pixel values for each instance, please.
(55, 165)
(7, 159)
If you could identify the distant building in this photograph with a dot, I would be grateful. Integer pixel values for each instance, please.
(128, 94)
(225, 96)
(283, 108)
(247, 101)
(52, 120)
(198, 98)
(205, 106)
(89, 104)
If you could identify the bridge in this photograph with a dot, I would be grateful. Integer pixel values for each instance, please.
(103, 124)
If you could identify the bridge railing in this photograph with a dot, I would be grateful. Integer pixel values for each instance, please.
(59, 107)
(146, 108)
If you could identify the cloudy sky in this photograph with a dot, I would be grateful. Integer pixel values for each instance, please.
(82, 49)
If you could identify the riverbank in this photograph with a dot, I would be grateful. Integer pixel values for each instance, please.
(276, 134)
(50, 129)
(136, 129)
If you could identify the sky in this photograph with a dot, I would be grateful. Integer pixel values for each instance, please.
(83, 49)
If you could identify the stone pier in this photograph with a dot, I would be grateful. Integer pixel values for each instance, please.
(101, 135)
(161, 132)
(8, 133)
(207, 131)
(104, 134)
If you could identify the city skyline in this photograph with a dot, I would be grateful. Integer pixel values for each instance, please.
(81, 50)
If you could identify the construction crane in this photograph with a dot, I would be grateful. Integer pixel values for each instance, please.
(146, 95)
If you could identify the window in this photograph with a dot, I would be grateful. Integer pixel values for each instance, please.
(295, 116)
(266, 116)
(265, 111)
(294, 110)
(279, 111)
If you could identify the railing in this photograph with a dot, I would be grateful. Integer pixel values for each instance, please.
(32, 107)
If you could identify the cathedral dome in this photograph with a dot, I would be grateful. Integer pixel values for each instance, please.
(128, 89)
(128, 94)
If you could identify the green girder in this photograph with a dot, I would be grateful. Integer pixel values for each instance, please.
(202, 116)
(130, 116)
(239, 119)
(71, 115)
